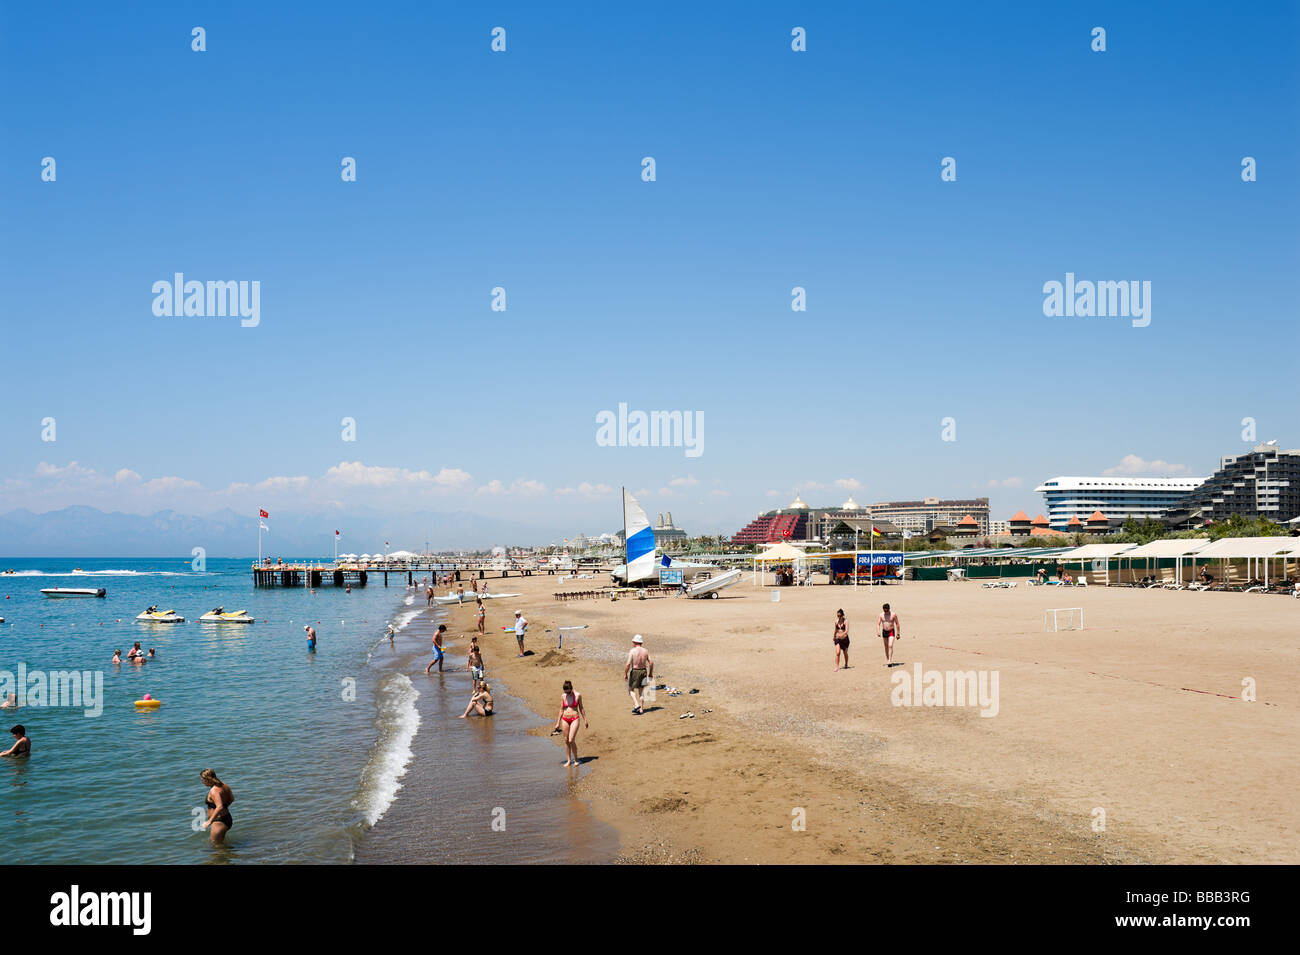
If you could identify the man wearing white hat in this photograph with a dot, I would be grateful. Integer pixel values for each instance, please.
(521, 628)
(638, 672)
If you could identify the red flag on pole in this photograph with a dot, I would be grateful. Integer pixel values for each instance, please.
(262, 513)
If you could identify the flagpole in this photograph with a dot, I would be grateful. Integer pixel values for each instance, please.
(259, 538)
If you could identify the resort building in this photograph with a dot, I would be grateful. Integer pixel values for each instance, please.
(921, 517)
(667, 535)
(1116, 498)
(1263, 482)
(799, 522)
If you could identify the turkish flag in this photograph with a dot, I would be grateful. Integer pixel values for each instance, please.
(262, 513)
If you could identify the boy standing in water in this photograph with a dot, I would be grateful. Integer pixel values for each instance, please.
(311, 639)
(437, 649)
(475, 659)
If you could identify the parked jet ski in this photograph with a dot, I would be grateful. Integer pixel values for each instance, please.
(222, 615)
(154, 615)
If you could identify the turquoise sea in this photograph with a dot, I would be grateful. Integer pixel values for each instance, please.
(318, 747)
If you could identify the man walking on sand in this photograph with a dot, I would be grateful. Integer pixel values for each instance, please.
(521, 629)
(638, 671)
(889, 630)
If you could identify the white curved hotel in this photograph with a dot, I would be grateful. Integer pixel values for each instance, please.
(1115, 497)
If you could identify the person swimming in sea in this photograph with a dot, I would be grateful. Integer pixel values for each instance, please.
(22, 745)
(218, 801)
(117, 656)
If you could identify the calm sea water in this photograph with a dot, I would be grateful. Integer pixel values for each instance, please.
(315, 745)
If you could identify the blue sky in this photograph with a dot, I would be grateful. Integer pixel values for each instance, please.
(522, 170)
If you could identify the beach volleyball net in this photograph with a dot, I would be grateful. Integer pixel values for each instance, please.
(1063, 618)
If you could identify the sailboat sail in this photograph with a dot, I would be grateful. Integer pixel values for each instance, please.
(639, 552)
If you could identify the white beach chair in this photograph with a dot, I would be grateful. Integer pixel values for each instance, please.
(1081, 582)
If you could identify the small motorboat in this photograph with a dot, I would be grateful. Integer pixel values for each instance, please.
(222, 615)
(74, 592)
(154, 615)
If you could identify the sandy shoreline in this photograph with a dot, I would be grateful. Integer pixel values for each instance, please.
(1139, 717)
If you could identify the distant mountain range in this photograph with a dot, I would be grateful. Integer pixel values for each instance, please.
(89, 532)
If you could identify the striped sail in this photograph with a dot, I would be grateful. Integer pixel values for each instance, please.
(639, 550)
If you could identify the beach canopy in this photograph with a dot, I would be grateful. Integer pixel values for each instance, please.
(1098, 552)
(1230, 548)
(782, 551)
(401, 555)
(1168, 548)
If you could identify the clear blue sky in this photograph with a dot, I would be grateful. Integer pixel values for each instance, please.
(522, 170)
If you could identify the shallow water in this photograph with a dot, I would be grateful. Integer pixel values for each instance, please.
(316, 746)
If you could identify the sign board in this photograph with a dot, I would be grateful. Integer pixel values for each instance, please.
(667, 576)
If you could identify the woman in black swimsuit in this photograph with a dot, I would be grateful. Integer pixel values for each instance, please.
(841, 639)
(219, 799)
(22, 745)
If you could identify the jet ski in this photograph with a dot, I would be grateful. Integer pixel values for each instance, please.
(154, 615)
(222, 615)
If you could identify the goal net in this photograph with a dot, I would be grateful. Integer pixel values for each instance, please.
(1063, 618)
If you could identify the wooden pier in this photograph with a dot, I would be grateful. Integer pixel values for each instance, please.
(354, 575)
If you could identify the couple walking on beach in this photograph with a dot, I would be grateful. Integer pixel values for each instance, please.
(638, 672)
(888, 629)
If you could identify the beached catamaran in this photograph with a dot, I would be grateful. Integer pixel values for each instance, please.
(638, 541)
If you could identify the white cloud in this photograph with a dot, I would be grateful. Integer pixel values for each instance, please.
(519, 486)
(850, 484)
(689, 481)
(1131, 464)
(718, 492)
(1006, 482)
(586, 489)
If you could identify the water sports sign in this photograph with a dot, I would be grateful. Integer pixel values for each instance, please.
(884, 565)
(667, 576)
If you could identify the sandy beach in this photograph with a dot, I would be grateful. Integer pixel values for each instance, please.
(1127, 742)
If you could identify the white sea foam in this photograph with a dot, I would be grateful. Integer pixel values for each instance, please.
(398, 721)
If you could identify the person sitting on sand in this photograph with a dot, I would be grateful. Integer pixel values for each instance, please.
(841, 640)
(22, 745)
(571, 711)
(481, 701)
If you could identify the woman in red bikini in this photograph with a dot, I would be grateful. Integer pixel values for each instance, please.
(571, 712)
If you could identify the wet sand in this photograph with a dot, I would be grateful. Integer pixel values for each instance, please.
(1136, 723)
(477, 790)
